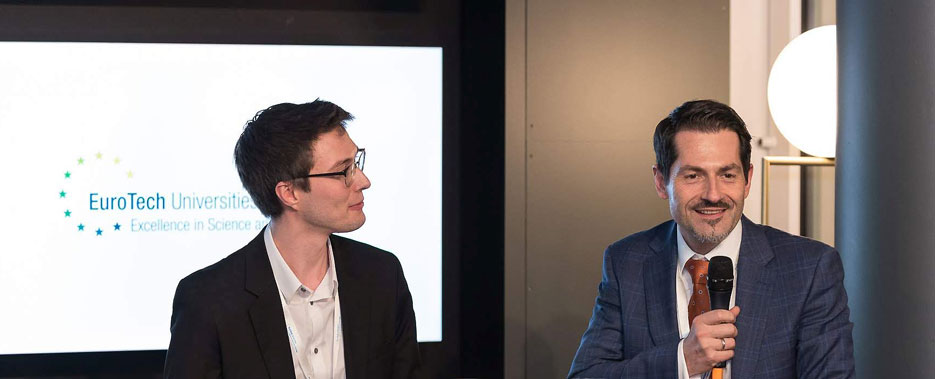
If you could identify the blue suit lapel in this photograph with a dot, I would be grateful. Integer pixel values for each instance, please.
(755, 287)
(659, 286)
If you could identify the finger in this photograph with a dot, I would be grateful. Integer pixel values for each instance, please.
(730, 343)
(721, 331)
(715, 331)
(721, 356)
(714, 317)
(735, 310)
(715, 356)
(712, 345)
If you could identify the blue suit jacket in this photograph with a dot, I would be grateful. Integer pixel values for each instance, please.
(793, 322)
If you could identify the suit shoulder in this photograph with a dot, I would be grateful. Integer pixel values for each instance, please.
(786, 243)
(357, 251)
(639, 242)
(370, 267)
(215, 277)
(796, 252)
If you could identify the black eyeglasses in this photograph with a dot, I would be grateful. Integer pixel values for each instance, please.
(347, 173)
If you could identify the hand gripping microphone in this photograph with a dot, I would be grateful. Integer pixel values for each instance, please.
(720, 285)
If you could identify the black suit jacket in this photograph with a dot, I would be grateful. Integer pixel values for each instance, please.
(227, 319)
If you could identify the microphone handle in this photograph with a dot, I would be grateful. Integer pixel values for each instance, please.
(720, 300)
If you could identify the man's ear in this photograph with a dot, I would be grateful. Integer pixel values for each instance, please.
(746, 188)
(660, 183)
(285, 191)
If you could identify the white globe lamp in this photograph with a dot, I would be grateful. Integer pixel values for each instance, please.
(802, 91)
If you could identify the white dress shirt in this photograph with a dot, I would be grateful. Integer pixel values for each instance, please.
(317, 341)
(729, 247)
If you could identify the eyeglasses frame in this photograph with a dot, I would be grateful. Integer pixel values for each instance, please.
(347, 173)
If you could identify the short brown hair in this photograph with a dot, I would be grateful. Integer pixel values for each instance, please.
(276, 145)
(707, 116)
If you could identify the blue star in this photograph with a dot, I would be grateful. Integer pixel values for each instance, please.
(80, 227)
(117, 226)
(98, 231)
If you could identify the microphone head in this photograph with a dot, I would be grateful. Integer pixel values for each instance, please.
(720, 268)
(720, 274)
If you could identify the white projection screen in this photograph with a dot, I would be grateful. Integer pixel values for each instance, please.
(82, 123)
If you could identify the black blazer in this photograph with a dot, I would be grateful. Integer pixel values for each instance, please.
(227, 319)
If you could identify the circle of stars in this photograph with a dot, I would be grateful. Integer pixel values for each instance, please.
(62, 194)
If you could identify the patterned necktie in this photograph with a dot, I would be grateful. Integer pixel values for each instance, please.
(700, 301)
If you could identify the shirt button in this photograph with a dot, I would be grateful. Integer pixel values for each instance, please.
(316, 350)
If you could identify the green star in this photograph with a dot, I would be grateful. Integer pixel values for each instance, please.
(98, 155)
(80, 160)
(80, 227)
(67, 174)
(116, 160)
(61, 194)
(67, 213)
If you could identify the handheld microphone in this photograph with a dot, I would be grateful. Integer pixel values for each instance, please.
(720, 286)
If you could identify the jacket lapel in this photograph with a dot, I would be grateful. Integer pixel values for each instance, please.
(269, 324)
(659, 279)
(755, 286)
(355, 310)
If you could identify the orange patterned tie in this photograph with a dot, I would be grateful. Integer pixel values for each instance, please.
(700, 301)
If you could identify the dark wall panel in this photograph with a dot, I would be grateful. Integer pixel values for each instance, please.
(885, 181)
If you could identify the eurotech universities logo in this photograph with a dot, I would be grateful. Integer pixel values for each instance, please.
(79, 204)
(101, 196)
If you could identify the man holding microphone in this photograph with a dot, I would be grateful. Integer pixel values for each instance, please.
(788, 315)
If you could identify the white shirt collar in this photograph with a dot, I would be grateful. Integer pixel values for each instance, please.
(289, 285)
(729, 247)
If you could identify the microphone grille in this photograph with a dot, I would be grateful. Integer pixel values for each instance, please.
(720, 268)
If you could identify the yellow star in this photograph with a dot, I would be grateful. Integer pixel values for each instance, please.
(129, 174)
(116, 160)
(98, 155)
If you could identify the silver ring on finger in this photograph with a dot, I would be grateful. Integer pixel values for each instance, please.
(723, 344)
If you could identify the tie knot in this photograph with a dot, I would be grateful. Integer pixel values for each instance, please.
(698, 268)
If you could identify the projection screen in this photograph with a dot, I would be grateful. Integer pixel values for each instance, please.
(118, 176)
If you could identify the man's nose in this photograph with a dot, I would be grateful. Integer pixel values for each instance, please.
(712, 192)
(361, 181)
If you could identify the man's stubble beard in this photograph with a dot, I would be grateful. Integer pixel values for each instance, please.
(710, 238)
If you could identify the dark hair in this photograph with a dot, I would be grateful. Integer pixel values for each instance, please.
(707, 116)
(276, 145)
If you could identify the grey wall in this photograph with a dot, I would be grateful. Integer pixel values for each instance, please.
(586, 83)
(885, 209)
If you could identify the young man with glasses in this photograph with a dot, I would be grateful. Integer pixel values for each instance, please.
(298, 301)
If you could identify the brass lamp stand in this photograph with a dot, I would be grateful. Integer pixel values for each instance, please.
(784, 161)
